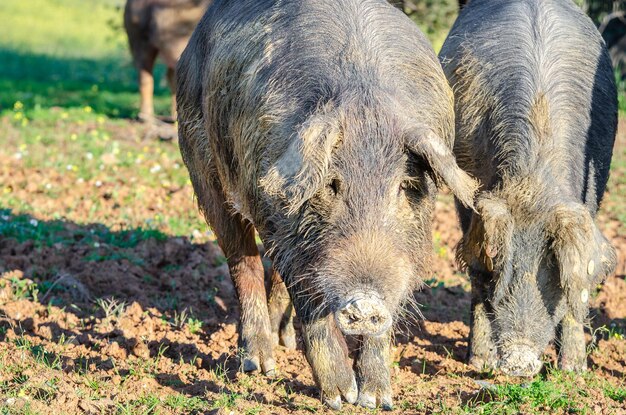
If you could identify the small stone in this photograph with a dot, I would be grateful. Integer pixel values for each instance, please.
(591, 266)
(584, 295)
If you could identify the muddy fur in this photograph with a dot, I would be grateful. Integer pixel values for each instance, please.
(536, 121)
(159, 27)
(325, 125)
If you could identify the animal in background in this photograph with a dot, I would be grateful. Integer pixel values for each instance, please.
(536, 118)
(159, 28)
(613, 29)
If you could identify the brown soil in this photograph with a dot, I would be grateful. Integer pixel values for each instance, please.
(140, 351)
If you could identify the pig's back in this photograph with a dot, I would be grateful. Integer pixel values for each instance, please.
(258, 69)
(534, 86)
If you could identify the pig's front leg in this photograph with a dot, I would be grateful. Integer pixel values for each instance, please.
(572, 350)
(373, 366)
(327, 353)
(482, 349)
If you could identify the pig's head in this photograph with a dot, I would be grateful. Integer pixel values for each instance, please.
(543, 257)
(355, 194)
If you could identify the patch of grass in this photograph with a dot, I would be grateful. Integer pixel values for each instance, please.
(226, 400)
(621, 92)
(45, 358)
(555, 393)
(180, 402)
(111, 307)
(46, 64)
(22, 289)
(194, 324)
(618, 394)
(24, 228)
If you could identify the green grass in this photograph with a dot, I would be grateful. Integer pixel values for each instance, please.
(69, 53)
(554, 392)
(24, 227)
(621, 93)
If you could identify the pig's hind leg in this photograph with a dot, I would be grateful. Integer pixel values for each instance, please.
(281, 312)
(482, 353)
(144, 56)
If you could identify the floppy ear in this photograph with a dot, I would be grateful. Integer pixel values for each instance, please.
(301, 168)
(584, 255)
(428, 145)
(489, 237)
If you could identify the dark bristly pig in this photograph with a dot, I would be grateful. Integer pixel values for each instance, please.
(536, 119)
(159, 27)
(324, 125)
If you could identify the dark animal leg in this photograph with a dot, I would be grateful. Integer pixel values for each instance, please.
(327, 353)
(572, 350)
(281, 312)
(235, 236)
(482, 352)
(171, 80)
(373, 372)
(145, 58)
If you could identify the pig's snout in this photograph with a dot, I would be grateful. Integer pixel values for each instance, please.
(363, 314)
(520, 361)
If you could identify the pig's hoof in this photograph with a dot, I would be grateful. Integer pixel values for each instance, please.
(367, 400)
(253, 364)
(574, 365)
(145, 118)
(371, 400)
(288, 337)
(256, 354)
(333, 403)
(349, 391)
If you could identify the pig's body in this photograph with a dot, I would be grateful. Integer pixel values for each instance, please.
(317, 122)
(159, 27)
(536, 121)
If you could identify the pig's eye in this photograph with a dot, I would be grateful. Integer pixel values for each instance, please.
(333, 187)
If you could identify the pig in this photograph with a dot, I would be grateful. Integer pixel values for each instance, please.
(159, 27)
(613, 29)
(536, 117)
(325, 126)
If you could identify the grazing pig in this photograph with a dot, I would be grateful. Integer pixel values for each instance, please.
(536, 120)
(159, 27)
(613, 30)
(324, 125)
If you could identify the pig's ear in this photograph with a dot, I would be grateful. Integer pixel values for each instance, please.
(432, 148)
(584, 256)
(302, 167)
(487, 242)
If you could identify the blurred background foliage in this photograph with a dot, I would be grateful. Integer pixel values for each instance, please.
(435, 17)
(599, 9)
(73, 52)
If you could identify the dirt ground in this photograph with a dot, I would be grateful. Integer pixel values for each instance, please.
(117, 327)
